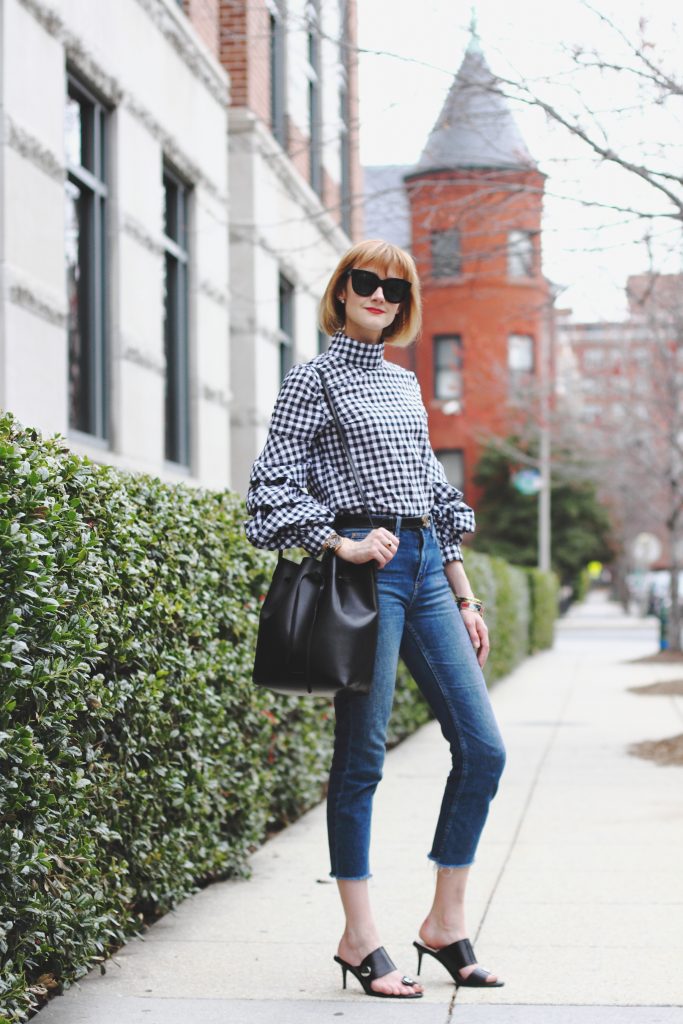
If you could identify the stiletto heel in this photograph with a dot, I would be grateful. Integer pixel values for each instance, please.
(375, 965)
(454, 957)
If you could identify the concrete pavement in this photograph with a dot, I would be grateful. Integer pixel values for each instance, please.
(576, 897)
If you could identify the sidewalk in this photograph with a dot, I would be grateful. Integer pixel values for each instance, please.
(576, 897)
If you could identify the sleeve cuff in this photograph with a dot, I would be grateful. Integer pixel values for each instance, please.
(315, 538)
(451, 552)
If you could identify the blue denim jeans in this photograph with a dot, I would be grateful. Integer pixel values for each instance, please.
(419, 620)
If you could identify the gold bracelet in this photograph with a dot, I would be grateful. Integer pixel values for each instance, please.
(472, 603)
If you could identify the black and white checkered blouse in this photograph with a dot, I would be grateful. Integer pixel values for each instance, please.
(302, 479)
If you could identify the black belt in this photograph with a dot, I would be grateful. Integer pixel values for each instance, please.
(357, 521)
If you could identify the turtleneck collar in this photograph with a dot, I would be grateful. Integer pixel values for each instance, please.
(366, 355)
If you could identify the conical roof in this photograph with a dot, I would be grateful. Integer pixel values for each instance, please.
(475, 127)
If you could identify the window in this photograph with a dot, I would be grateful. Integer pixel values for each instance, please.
(448, 367)
(520, 359)
(85, 252)
(177, 390)
(345, 122)
(520, 254)
(446, 260)
(286, 324)
(453, 462)
(313, 71)
(277, 72)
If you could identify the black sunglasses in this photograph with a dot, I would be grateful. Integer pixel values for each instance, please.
(366, 282)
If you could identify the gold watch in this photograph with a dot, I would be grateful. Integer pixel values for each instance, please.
(332, 543)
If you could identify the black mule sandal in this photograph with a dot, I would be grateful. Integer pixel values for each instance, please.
(454, 957)
(376, 965)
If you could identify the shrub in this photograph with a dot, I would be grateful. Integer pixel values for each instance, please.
(543, 593)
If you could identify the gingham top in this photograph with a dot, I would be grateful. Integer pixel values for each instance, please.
(302, 478)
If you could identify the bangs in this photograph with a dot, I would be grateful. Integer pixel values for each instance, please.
(383, 255)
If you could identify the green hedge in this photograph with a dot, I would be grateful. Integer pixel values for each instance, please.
(137, 759)
(543, 594)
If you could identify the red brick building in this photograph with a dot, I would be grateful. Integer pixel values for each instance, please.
(470, 211)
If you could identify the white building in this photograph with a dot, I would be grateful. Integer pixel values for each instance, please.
(177, 180)
(295, 193)
(114, 325)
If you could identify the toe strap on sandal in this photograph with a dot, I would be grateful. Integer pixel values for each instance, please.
(376, 964)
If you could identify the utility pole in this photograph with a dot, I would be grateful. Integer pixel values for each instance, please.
(546, 349)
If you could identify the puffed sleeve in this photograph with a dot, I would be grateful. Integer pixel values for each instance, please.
(283, 513)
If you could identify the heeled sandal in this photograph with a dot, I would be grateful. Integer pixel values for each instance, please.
(454, 957)
(376, 965)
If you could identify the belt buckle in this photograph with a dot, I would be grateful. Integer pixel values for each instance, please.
(426, 520)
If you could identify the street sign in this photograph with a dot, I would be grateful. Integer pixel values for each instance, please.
(526, 481)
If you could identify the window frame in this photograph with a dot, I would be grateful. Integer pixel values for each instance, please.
(437, 260)
(88, 411)
(438, 344)
(278, 71)
(177, 433)
(524, 257)
(518, 377)
(313, 72)
(286, 293)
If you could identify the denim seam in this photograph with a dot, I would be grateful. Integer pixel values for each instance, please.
(456, 724)
(339, 794)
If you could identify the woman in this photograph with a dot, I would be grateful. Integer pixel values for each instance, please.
(302, 494)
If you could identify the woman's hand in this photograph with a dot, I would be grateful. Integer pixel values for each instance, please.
(379, 544)
(479, 634)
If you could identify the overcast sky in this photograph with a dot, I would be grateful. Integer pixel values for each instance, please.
(416, 47)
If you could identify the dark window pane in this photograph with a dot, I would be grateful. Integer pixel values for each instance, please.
(520, 254)
(448, 367)
(286, 324)
(176, 341)
(446, 261)
(76, 245)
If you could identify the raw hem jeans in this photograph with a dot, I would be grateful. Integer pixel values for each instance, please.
(419, 620)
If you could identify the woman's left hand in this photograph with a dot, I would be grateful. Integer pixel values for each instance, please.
(479, 634)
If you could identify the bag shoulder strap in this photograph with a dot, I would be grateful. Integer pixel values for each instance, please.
(345, 443)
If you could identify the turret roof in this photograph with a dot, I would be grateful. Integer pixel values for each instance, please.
(475, 127)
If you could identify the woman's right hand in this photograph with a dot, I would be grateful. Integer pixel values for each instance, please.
(379, 544)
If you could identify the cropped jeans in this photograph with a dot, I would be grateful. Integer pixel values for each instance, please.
(418, 619)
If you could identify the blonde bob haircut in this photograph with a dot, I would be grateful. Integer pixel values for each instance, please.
(375, 254)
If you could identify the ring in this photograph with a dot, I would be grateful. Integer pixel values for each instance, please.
(388, 543)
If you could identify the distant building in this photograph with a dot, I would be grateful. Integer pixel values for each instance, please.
(620, 384)
(470, 211)
(177, 180)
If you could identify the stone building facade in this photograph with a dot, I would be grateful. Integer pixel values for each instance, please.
(177, 179)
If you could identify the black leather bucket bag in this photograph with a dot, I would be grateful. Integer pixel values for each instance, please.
(318, 625)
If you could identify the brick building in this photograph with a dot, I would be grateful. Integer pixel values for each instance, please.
(470, 211)
(177, 180)
(620, 384)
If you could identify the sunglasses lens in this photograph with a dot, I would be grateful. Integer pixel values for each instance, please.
(365, 282)
(395, 289)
